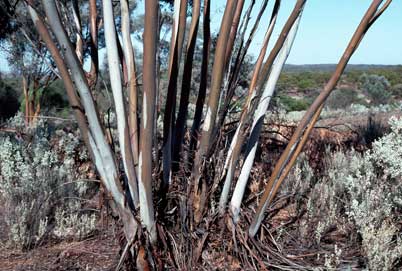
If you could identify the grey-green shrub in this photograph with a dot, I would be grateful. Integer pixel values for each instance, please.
(37, 176)
(366, 190)
(375, 189)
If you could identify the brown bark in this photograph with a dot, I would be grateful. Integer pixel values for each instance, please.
(148, 105)
(233, 31)
(182, 27)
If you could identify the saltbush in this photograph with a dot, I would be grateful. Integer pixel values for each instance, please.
(366, 190)
(38, 177)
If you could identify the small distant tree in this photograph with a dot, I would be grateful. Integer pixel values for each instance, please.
(27, 59)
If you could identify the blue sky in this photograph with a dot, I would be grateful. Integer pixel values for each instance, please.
(324, 32)
(328, 25)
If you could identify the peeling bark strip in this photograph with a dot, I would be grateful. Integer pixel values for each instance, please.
(128, 52)
(311, 116)
(238, 139)
(100, 154)
(79, 49)
(212, 108)
(117, 89)
(146, 128)
(93, 27)
(25, 89)
(186, 86)
(258, 120)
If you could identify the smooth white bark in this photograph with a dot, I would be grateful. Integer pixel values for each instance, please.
(229, 171)
(258, 118)
(117, 89)
(231, 161)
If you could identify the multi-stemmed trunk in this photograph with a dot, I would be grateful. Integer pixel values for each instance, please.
(137, 147)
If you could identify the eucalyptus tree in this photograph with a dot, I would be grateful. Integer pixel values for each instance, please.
(135, 95)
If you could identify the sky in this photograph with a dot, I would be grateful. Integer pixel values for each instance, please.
(326, 28)
(324, 32)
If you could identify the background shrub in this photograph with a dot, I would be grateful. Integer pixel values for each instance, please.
(291, 104)
(342, 98)
(397, 91)
(54, 96)
(9, 103)
(377, 87)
